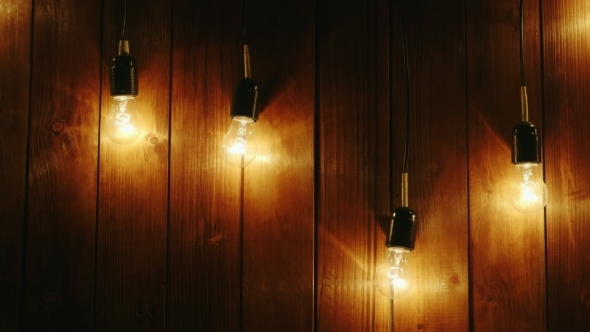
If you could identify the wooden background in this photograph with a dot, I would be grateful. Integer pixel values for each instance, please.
(161, 235)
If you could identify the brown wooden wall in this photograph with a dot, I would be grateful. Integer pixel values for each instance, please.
(161, 235)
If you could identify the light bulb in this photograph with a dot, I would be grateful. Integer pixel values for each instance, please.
(392, 276)
(528, 192)
(238, 146)
(123, 123)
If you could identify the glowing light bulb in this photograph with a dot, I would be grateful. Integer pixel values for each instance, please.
(238, 146)
(392, 276)
(123, 123)
(528, 192)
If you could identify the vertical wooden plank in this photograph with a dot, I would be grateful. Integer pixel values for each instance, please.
(61, 211)
(15, 59)
(278, 257)
(567, 70)
(133, 179)
(506, 247)
(437, 164)
(204, 241)
(353, 195)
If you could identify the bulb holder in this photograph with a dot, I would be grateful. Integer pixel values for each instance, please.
(526, 147)
(123, 75)
(402, 230)
(245, 99)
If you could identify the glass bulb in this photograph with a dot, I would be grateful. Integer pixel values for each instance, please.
(123, 124)
(238, 146)
(528, 192)
(392, 276)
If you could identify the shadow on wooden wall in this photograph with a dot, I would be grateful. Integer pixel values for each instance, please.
(161, 235)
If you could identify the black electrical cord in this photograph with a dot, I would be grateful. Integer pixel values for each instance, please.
(407, 77)
(390, 105)
(523, 97)
(522, 80)
(245, 19)
(247, 72)
(124, 19)
(407, 134)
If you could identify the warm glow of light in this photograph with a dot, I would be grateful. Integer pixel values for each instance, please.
(392, 275)
(127, 129)
(263, 158)
(399, 283)
(528, 192)
(123, 124)
(238, 146)
(397, 275)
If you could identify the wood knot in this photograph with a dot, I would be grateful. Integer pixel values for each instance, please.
(153, 140)
(421, 327)
(486, 293)
(455, 279)
(57, 126)
(217, 238)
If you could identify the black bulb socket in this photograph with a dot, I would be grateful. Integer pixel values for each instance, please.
(245, 99)
(402, 230)
(123, 76)
(526, 147)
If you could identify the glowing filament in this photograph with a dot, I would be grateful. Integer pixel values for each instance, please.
(528, 191)
(238, 146)
(123, 123)
(392, 276)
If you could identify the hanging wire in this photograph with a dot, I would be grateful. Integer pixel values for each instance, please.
(522, 80)
(390, 101)
(124, 19)
(247, 72)
(524, 104)
(407, 78)
(390, 105)
(404, 192)
(245, 20)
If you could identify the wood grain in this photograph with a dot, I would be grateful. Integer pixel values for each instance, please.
(353, 196)
(133, 179)
(437, 164)
(204, 288)
(15, 60)
(61, 204)
(567, 67)
(187, 243)
(278, 206)
(507, 249)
